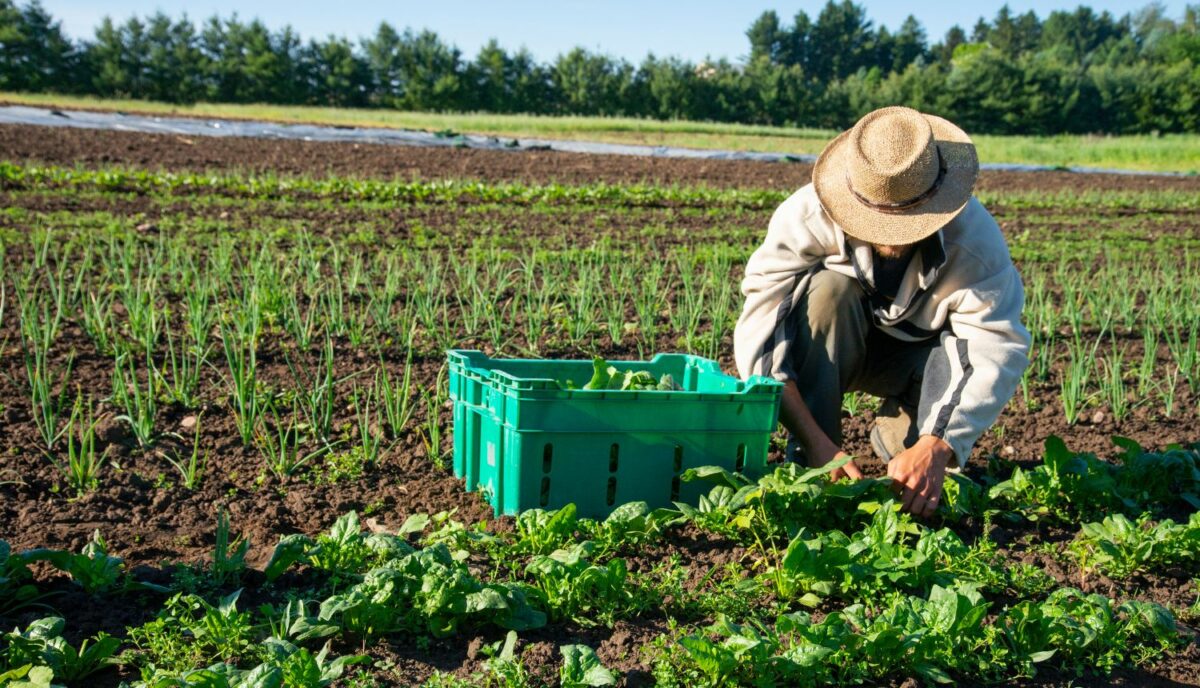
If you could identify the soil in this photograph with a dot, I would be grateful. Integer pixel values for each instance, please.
(66, 146)
(154, 524)
(149, 525)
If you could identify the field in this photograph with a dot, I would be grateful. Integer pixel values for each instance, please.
(222, 370)
(1161, 153)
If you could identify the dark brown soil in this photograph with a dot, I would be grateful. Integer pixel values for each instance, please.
(148, 520)
(66, 146)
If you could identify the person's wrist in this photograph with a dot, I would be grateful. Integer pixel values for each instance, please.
(938, 448)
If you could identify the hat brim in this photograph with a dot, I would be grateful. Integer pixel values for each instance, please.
(898, 228)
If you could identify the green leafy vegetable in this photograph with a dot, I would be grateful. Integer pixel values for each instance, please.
(605, 376)
(42, 648)
(1120, 547)
(581, 668)
(571, 587)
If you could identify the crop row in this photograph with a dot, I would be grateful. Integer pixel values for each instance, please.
(917, 601)
(1036, 236)
(185, 326)
(115, 179)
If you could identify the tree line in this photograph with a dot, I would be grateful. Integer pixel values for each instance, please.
(1074, 71)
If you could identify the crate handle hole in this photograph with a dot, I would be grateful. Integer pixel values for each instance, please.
(547, 457)
(675, 489)
(613, 452)
(612, 490)
(678, 458)
(741, 458)
(545, 496)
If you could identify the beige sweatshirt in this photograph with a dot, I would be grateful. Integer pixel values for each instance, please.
(964, 290)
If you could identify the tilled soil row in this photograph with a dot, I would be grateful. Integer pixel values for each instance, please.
(440, 224)
(65, 146)
(492, 218)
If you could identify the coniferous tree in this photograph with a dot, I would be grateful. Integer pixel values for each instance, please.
(35, 54)
(796, 47)
(336, 76)
(765, 37)
(883, 49)
(909, 44)
(943, 52)
(588, 84)
(382, 52)
(490, 79)
(841, 41)
(1002, 34)
(107, 61)
(174, 66)
(669, 88)
(432, 72)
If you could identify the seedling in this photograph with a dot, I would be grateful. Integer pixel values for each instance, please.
(281, 442)
(229, 552)
(81, 466)
(396, 400)
(139, 403)
(191, 469)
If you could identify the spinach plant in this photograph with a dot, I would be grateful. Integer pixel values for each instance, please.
(41, 645)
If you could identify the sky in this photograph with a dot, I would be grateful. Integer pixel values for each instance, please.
(624, 28)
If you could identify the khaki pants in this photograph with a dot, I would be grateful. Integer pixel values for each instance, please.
(838, 349)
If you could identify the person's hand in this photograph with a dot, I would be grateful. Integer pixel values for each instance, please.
(818, 448)
(918, 474)
(831, 452)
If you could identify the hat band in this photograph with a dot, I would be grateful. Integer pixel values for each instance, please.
(903, 205)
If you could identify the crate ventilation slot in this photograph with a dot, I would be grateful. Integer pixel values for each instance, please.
(676, 467)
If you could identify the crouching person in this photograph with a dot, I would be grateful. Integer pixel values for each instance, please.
(885, 275)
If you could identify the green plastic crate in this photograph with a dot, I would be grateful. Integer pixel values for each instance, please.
(527, 442)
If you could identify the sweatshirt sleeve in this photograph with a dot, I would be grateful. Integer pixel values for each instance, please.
(774, 274)
(977, 368)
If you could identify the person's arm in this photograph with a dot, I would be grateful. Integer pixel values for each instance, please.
(818, 448)
(971, 377)
(798, 239)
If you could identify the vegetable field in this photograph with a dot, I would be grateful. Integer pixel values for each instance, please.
(225, 433)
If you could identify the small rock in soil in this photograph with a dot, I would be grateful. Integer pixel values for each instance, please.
(474, 647)
(188, 422)
(1097, 418)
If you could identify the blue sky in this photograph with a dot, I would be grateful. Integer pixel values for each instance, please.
(625, 28)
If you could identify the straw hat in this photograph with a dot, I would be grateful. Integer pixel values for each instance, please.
(897, 176)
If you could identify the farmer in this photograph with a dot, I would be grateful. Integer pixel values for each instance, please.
(885, 275)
